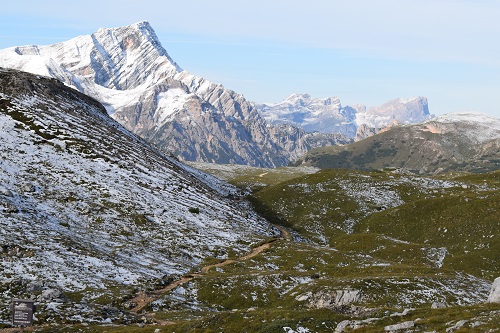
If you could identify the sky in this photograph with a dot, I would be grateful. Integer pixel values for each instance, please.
(363, 51)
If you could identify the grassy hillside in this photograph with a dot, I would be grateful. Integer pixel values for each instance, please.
(421, 149)
(369, 251)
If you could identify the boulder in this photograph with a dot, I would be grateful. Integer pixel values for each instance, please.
(52, 295)
(438, 305)
(8, 207)
(401, 326)
(5, 191)
(342, 326)
(28, 188)
(332, 299)
(495, 292)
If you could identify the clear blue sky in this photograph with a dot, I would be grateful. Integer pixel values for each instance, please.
(363, 51)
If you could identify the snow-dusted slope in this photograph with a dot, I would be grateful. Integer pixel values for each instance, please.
(328, 115)
(477, 127)
(130, 73)
(86, 204)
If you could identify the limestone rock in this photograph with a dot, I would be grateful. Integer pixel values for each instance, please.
(52, 295)
(337, 298)
(404, 111)
(438, 305)
(342, 326)
(28, 188)
(494, 296)
(5, 191)
(457, 326)
(364, 131)
(401, 326)
(8, 207)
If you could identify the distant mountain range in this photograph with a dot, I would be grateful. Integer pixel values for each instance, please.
(453, 142)
(329, 116)
(132, 75)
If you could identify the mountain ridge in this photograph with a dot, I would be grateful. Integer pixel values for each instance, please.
(128, 71)
(455, 142)
(328, 115)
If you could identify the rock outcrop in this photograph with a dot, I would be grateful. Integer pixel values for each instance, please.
(494, 296)
(331, 299)
(398, 327)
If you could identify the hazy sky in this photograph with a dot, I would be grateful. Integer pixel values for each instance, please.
(363, 51)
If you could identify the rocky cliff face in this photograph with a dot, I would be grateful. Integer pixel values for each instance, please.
(312, 114)
(404, 111)
(130, 73)
(329, 116)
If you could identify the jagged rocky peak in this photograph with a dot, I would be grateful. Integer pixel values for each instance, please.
(306, 100)
(118, 58)
(325, 115)
(130, 73)
(328, 115)
(131, 56)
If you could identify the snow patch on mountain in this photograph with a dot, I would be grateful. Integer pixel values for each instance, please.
(170, 102)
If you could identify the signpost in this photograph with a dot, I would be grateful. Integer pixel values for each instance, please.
(22, 312)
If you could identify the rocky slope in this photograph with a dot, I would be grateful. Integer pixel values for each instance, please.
(132, 75)
(328, 115)
(88, 211)
(454, 142)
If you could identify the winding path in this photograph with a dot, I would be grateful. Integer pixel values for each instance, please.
(143, 299)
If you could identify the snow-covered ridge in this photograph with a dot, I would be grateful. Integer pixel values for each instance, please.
(478, 127)
(472, 117)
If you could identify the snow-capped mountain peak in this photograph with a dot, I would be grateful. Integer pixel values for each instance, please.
(132, 75)
(120, 58)
(328, 115)
(312, 114)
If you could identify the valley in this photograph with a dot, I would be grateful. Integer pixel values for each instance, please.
(137, 197)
